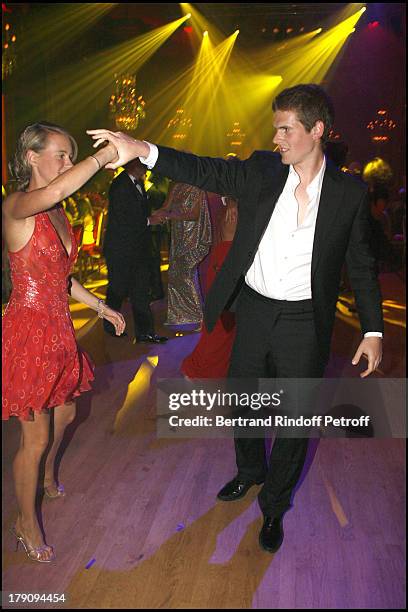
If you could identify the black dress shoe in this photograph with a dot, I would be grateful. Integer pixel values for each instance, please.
(235, 489)
(271, 535)
(152, 338)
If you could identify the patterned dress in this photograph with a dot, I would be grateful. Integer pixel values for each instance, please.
(43, 366)
(190, 243)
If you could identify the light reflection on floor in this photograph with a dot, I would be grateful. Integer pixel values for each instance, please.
(136, 393)
(393, 312)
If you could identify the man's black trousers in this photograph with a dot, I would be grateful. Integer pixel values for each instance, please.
(130, 279)
(275, 339)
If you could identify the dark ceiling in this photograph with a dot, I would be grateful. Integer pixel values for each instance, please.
(130, 19)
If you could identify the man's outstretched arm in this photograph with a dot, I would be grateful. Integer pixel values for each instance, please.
(208, 173)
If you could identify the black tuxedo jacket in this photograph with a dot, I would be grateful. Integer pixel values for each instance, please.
(342, 232)
(127, 237)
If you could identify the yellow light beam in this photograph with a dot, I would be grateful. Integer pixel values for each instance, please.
(137, 390)
(60, 24)
(162, 105)
(88, 83)
(200, 24)
(268, 55)
(314, 59)
(201, 63)
(203, 84)
(211, 88)
(193, 84)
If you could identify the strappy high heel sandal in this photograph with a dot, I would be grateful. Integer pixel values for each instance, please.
(33, 553)
(60, 492)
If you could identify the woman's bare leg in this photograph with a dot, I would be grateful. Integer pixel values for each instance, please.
(63, 416)
(33, 442)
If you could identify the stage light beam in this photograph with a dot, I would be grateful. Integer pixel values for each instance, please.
(80, 90)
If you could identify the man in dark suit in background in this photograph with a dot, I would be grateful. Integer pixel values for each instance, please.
(299, 220)
(157, 193)
(127, 249)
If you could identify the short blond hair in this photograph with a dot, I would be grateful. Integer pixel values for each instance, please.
(34, 138)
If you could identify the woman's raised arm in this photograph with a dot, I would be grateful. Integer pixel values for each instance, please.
(23, 204)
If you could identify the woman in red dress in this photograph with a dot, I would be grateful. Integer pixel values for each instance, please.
(212, 354)
(43, 367)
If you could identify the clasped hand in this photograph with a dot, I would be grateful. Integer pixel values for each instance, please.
(127, 147)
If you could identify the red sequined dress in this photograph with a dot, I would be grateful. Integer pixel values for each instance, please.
(43, 366)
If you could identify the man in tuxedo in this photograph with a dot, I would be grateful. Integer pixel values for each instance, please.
(299, 220)
(127, 249)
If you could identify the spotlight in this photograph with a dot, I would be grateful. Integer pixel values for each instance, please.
(188, 15)
(275, 30)
(363, 9)
(236, 32)
(205, 33)
(319, 30)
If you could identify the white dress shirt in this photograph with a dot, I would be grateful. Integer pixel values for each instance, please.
(282, 265)
(151, 159)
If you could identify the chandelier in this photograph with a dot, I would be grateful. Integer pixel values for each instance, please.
(126, 108)
(381, 127)
(180, 125)
(236, 136)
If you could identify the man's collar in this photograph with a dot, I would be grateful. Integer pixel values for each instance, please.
(317, 179)
(293, 172)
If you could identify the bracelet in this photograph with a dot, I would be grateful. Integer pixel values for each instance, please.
(97, 161)
(101, 308)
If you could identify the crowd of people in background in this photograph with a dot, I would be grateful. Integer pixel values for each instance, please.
(388, 219)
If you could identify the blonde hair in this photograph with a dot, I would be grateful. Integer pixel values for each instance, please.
(34, 138)
(377, 172)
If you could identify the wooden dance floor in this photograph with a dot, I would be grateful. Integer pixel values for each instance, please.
(140, 526)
